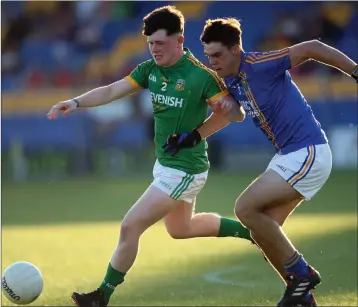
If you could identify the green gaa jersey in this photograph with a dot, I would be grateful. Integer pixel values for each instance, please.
(179, 94)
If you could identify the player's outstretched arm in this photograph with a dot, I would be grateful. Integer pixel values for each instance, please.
(96, 97)
(318, 51)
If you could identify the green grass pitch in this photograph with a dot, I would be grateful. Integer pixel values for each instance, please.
(69, 229)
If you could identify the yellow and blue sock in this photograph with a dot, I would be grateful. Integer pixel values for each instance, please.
(298, 265)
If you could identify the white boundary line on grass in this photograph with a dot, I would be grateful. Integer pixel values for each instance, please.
(215, 277)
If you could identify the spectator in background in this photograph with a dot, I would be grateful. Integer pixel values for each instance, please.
(287, 32)
(76, 27)
(86, 10)
(334, 18)
(14, 31)
(122, 9)
(327, 21)
(63, 21)
(88, 16)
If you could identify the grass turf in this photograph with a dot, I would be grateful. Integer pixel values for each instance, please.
(69, 229)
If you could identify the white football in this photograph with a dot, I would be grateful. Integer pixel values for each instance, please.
(22, 283)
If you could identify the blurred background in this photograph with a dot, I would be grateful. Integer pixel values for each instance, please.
(53, 51)
(66, 184)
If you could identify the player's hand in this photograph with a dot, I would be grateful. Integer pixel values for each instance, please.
(354, 74)
(221, 106)
(177, 141)
(64, 108)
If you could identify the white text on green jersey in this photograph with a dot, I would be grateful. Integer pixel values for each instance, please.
(167, 100)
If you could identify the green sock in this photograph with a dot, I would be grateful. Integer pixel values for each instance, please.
(112, 279)
(232, 228)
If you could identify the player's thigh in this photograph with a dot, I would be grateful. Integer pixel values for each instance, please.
(282, 212)
(151, 207)
(178, 220)
(291, 177)
(267, 191)
(306, 170)
(177, 184)
(182, 187)
(279, 214)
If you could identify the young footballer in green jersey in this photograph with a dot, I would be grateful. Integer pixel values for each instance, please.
(180, 86)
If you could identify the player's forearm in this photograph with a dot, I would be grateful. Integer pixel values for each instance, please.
(106, 94)
(96, 97)
(213, 124)
(330, 56)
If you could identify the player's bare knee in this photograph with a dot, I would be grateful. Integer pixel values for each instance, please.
(129, 229)
(244, 213)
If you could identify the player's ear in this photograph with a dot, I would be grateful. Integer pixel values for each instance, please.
(236, 50)
(181, 39)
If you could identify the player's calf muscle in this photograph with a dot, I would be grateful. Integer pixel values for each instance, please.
(281, 212)
(271, 255)
(199, 225)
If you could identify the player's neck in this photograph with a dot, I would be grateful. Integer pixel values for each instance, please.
(176, 58)
(235, 72)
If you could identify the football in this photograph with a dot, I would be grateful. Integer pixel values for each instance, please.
(22, 283)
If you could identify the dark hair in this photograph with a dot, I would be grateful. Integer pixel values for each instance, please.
(164, 18)
(223, 30)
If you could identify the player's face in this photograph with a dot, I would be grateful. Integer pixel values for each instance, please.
(163, 48)
(221, 58)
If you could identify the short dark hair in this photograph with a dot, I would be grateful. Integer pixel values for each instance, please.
(164, 18)
(223, 30)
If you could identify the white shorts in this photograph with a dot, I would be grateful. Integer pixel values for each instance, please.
(306, 169)
(178, 184)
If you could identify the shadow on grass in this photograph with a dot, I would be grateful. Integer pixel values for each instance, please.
(108, 200)
(334, 255)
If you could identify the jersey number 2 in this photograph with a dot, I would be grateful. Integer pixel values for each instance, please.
(164, 86)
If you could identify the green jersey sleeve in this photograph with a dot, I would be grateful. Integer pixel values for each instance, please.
(139, 76)
(214, 87)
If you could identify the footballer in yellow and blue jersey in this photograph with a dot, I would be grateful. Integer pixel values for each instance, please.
(262, 85)
(264, 88)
